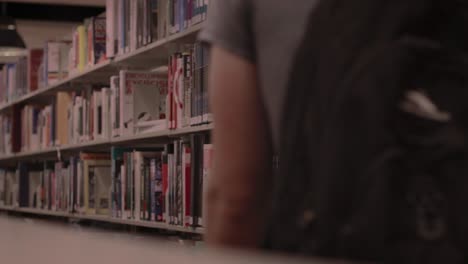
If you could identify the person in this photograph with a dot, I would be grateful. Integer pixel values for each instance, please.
(366, 113)
(252, 46)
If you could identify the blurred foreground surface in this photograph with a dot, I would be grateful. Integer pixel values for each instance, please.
(25, 240)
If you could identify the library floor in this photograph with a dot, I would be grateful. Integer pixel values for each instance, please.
(29, 240)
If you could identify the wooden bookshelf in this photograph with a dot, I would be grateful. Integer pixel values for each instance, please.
(104, 219)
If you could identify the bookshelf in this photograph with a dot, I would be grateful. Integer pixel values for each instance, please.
(147, 58)
(150, 56)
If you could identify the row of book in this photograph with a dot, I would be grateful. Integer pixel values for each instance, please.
(132, 24)
(163, 185)
(150, 184)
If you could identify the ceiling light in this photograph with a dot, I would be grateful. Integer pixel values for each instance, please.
(11, 43)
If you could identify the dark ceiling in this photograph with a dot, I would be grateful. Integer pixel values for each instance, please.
(49, 12)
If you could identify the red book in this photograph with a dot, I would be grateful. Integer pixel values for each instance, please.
(34, 61)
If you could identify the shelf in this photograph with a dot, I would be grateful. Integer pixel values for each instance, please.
(84, 145)
(147, 57)
(42, 212)
(162, 135)
(103, 218)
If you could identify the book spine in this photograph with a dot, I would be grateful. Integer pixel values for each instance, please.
(90, 30)
(186, 161)
(82, 48)
(165, 185)
(153, 194)
(110, 28)
(99, 40)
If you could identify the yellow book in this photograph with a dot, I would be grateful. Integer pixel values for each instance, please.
(63, 101)
(82, 47)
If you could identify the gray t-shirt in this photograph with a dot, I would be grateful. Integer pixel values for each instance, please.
(267, 33)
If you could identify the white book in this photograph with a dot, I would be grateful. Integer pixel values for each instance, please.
(84, 121)
(76, 119)
(115, 106)
(141, 87)
(70, 116)
(179, 92)
(97, 115)
(105, 96)
(126, 106)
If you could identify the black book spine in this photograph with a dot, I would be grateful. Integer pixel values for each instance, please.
(23, 185)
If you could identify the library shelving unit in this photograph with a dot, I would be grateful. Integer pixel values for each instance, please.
(147, 57)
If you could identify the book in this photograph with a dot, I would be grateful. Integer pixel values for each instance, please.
(81, 49)
(144, 88)
(56, 61)
(187, 183)
(111, 28)
(99, 40)
(96, 174)
(63, 101)
(23, 177)
(35, 57)
(115, 106)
